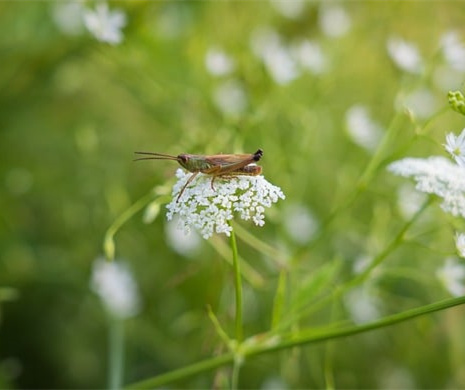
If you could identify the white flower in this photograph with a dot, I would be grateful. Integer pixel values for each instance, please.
(363, 130)
(363, 306)
(436, 175)
(218, 63)
(289, 9)
(452, 276)
(104, 24)
(300, 223)
(460, 243)
(116, 287)
(420, 102)
(209, 210)
(456, 147)
(184, 244)
(334, 20)
(409, 201)
(405, 55)
(310, 56)
(231, 98)
(68, 16)
(453, 51)
(277, 57)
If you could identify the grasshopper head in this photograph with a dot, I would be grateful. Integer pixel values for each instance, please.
(183, 160)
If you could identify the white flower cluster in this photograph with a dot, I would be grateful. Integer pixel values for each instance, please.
(436, 175)
(439, 176)
(103, 23)
(209, 210)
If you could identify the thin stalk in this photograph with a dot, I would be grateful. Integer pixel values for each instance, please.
(108, 242)
(293, 341)
(235, 374)
(238, 288)
(115, 354)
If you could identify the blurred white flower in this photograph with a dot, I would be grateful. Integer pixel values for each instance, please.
(409, 201)
(455, 146)
(184, 244)
(300, 223)
(363, 130)
(280, 64)
(453, 51)
(452, 277)
(68, 16)
(421, 102)
(395, 377)
(405, 55)
(230, 98)
(334, 20)
(446, 78)
(116, 287)
(173, 20)
(362, 306)
(310, 56)
(277, 57)
(460, 243)
(436, 175)
(274, 382)
(104, 24)
(262, 39)
(209, 210)
(361, 263)
(289, 9)
(218, 63)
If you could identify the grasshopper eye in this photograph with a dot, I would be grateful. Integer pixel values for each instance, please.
(182, 158)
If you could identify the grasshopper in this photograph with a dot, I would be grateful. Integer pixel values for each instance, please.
(216, 165)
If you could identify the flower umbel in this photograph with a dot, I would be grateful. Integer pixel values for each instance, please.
(209, 210)
(436, 175)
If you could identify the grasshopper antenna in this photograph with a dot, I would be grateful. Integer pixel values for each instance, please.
(155, 156)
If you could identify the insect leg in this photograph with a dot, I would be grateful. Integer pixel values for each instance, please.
(192, 177)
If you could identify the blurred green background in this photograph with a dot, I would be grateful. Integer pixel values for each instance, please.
(192, 77)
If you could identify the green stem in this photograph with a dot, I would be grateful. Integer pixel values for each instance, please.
(108, 242)
(235, 374)
(238, 287)
(293, 341)
(115, 354)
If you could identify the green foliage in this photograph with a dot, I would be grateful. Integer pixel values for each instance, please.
(73, 112)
